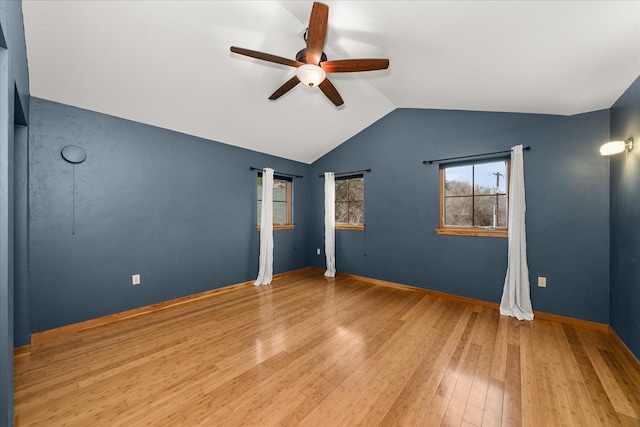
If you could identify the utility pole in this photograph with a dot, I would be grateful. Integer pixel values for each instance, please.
(498, 175)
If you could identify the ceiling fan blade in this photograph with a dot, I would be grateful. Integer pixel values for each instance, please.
(317, 32)
(332, 93)
(354, 65)
(266, 56)
(290, 84)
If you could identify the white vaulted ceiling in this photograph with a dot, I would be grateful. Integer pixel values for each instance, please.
(168, 64)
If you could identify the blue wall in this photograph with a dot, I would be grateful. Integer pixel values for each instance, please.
(14, 104)
(179, 210)
(169, 206)
(625, 221)
(567, 191)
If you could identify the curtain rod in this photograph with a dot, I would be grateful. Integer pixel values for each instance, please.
(470, 157)
(277, 173)
(347, 173)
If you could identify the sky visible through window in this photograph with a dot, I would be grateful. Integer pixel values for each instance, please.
(485, 175)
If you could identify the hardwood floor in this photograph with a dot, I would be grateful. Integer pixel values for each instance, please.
(314, 351)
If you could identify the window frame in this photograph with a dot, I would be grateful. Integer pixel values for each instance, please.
(289, 225)
(344, 225)
(472, 230)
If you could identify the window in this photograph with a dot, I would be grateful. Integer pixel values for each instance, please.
(282, 202)
(473, 198)
(350, 202)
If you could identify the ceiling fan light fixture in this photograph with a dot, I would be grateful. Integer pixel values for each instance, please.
(310, 75)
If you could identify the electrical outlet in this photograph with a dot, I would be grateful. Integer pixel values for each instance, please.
(318, 251)
(542, 281)
(135, 279)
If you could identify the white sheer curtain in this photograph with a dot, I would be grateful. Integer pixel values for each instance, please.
(265, 273)
(330, 223)
(516, 298)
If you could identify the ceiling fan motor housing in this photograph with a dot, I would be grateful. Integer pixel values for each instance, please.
(301, 56)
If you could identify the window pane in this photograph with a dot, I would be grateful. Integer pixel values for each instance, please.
(279, 195)
(483, 211)
(458, 211)
(458, 181)
(481, 189)
(490, 178)
(280, 212)
(259, 211)
(475, 194)
(259, 199)
(342, 212)
(279, 191)
(281, 204)
(356, 189)
(356, 213)
(502, 210)
(342, 190)
(350, 200)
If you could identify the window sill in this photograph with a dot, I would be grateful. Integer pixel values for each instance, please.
(349, 227)
(280, 227)
(481, 232)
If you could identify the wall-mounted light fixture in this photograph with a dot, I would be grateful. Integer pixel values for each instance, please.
(615, 147)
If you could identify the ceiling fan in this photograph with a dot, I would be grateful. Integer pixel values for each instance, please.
(311, 63)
